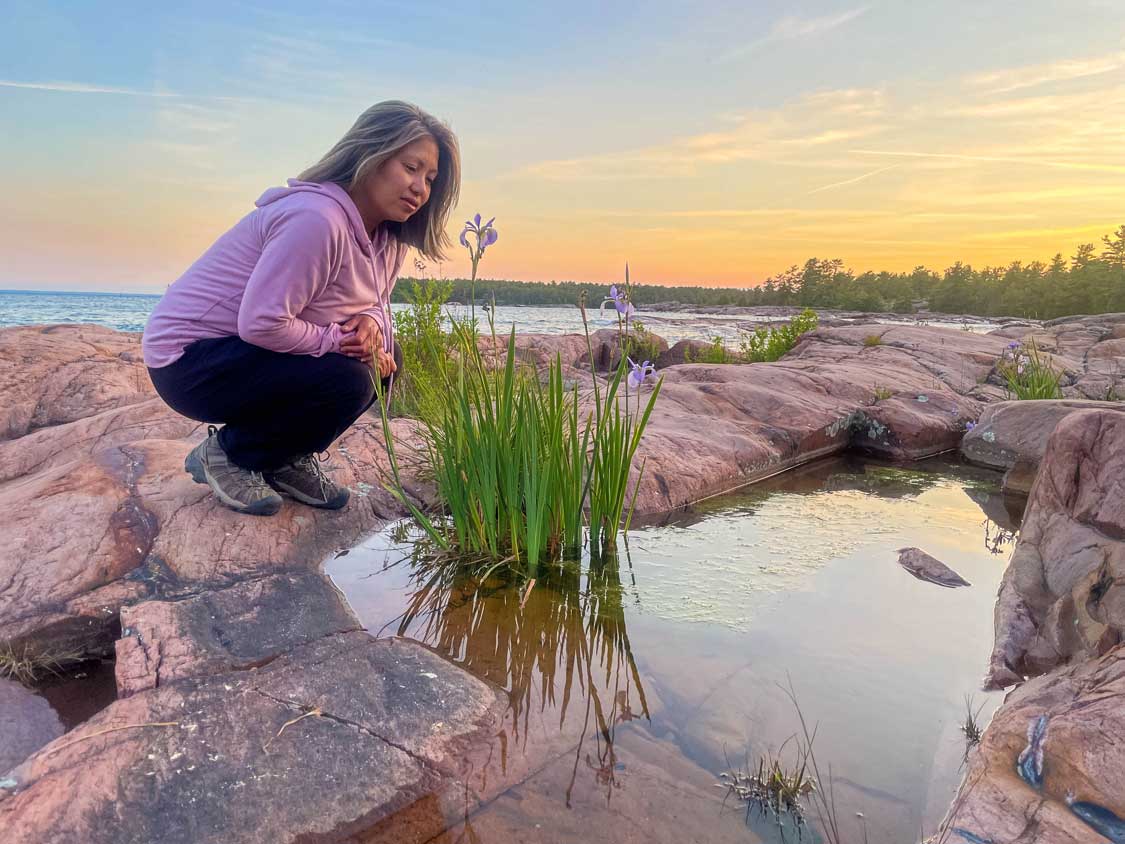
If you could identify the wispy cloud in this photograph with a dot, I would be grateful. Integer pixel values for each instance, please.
(1013, 79)
(807, 131)
(792, 27)
(998, 159)
(87, 88)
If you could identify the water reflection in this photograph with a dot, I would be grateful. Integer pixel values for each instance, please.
(854, 473)
(545, 642)
(633, 690)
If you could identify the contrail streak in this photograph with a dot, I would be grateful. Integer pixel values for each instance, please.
(853, 181)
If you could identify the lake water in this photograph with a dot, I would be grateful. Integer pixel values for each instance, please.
(128, 312)
(648, 679)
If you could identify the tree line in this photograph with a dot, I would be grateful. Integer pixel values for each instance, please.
(1091, 281)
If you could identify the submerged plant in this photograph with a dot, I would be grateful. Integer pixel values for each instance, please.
(775, 789)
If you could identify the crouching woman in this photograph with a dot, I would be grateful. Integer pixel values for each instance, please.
(275, 333)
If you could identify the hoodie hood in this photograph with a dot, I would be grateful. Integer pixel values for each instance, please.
(327, 189)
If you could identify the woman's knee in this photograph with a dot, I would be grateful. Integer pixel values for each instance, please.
(353, 382)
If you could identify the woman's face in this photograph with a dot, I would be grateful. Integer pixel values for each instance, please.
(401, 184)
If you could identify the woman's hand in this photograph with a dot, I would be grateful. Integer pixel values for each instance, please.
(362, 338)
(385, 362)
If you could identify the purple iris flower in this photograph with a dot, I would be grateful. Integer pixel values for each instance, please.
(620, 301)
(484, 234)
(639, 373)
(970, 425)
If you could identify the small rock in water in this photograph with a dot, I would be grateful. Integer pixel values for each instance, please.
(924, 567)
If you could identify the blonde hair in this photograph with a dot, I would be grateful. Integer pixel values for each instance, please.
(381, 132)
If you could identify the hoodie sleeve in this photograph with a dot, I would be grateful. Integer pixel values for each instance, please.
(294, 268)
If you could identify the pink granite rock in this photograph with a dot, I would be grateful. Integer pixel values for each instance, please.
(680, 352)
(231, 759)
(235, 628)
(1082, 756)
(27, 722)
(1011, 436)
(100, 512)
(55, 374)
(1063, 594)
(107, 461)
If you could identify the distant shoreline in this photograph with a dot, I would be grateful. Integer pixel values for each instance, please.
(77, 293)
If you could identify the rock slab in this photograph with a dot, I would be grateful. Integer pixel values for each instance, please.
(1011, 436)
(27, 722)
(1063, 593)
(1083, 757)
(322, 743)
(243, 626)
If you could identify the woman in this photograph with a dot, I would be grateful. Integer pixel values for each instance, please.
(274, 331)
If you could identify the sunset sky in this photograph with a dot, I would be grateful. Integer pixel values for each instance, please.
(715, 147)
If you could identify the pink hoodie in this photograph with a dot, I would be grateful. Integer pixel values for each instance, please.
(284, 278)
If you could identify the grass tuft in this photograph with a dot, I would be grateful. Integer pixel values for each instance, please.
(27, 665)
(881, 394)
(1028, 374)
(971, 727)
(775, 789)
(517, 464)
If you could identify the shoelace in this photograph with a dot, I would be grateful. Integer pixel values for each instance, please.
(258, 483)
(311, 462)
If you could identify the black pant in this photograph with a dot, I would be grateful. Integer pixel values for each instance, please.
(273, 406)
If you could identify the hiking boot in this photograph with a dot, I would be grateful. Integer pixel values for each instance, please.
(238, 488)
(304, 480)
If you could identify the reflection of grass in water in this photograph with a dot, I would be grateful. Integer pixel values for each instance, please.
(565, 636)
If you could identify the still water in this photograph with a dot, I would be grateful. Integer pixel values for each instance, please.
(632, 687)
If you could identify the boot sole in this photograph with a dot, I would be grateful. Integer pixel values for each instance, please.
(336, 503)
(262, 507)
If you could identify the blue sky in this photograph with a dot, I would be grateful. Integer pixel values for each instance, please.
(715, 146)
